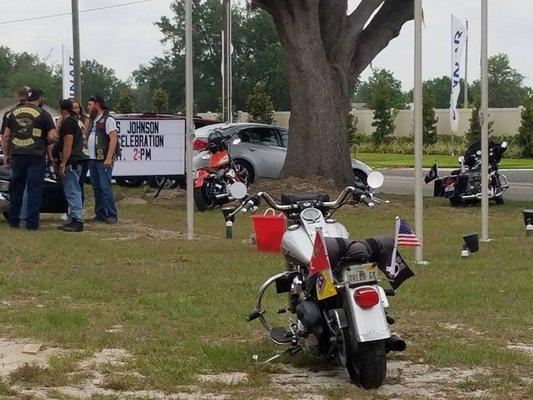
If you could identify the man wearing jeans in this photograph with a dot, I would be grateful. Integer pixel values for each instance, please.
(30, 131)
(69, 155)
(102, 143)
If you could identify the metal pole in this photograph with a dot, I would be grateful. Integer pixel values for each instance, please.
(484, 123)
(76, 49)
(228, 98)
(466, 67)
(417, 97)
(189, 117)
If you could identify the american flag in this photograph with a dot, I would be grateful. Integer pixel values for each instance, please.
(406, 237)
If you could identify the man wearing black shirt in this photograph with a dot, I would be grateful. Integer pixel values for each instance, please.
(69, 154)
(30, 131)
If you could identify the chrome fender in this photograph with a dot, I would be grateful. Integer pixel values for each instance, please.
(366, 324)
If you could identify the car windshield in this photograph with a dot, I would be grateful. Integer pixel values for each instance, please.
(209, 129)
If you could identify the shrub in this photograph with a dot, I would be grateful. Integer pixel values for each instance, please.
(259, 105)
(525, 135)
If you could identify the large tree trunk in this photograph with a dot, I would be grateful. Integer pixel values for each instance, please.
(327, 51)
(319, 110)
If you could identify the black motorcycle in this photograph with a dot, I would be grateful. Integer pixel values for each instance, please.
(463, 186)
(53, 200)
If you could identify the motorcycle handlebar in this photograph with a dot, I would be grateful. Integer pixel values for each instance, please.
(359, 195)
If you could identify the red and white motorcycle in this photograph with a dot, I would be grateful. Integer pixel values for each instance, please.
(215, 172)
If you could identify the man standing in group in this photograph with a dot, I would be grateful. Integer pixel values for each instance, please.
(69, 156)
(102, 143)
(30, 131)
(22, 94)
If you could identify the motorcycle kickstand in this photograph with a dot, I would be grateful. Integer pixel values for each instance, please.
(290, 351)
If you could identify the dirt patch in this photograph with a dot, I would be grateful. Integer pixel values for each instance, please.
(313, 184)
(404, 380)
(233, 378)
(522, 347)
(12, 356)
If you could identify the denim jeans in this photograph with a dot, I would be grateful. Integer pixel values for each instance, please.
(24, 209)
(83, 174)
(71, 187)
(104, 202)
(28, 173)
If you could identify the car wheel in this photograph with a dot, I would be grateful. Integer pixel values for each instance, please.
(360, 177)
(245, 171)
(130, 181)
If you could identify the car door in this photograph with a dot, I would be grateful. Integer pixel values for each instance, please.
(264, 147)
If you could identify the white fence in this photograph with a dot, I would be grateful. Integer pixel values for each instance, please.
(506, 120)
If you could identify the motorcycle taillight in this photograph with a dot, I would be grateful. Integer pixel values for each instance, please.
(366, 297)
(199, 144)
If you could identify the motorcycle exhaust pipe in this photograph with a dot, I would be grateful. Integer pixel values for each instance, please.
(394, 343)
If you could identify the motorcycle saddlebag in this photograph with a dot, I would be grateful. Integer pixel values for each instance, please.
(54, 200)
(438, 189)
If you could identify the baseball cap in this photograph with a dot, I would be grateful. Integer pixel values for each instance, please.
(34, 94)
(97, 98)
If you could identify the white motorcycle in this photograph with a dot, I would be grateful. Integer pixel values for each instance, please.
(351, 326)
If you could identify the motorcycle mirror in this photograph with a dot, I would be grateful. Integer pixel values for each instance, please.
(504, 145)
(236, 141)
(461, 159)
(238, 190)
(375, 179)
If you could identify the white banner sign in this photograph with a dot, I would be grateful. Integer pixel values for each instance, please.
(459, 34)
(68, 73)
(150, 146)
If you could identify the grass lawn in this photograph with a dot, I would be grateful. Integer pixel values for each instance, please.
(376, 160)
(181, 304)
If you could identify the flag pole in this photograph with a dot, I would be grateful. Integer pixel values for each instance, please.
(484, 124)
(466, 67)
(451, 80)
(189, 135)
(392, 266)
(418, 127)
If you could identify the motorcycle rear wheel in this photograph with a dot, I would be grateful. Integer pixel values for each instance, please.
(367, 366)
(456, 201)
(203, 198)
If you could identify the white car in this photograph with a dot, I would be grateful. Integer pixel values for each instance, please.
(262, 149)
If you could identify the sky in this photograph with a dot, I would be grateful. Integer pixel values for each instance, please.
(122, 38)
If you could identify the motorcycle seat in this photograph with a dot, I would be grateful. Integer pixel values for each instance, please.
(290, 198)
(342, 251)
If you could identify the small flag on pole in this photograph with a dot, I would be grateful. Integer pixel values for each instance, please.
(398, 271)
(320, 266)
(405, 236)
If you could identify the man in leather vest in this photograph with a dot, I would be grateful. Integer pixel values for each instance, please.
(29, 134)
(69, 156)
(102, 143)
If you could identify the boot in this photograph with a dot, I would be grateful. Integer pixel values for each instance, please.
(74, 226)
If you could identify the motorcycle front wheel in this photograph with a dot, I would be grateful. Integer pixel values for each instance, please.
(367, 366)
(204, 198)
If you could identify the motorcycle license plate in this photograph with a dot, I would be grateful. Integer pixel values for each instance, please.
(364, 273)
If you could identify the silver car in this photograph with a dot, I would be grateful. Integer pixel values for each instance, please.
(262, 149)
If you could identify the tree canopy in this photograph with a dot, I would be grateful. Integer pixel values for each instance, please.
(257, 57)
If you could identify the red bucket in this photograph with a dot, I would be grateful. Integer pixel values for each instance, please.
(269, 230)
